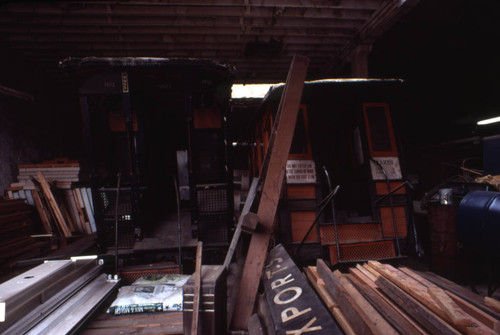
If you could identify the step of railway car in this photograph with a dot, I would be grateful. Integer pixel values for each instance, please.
(357, 252)
(351, 233)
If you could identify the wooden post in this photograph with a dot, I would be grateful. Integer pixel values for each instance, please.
(52, 201)
(272, 176)
(197, 290)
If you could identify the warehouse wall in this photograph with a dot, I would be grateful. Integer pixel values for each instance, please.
(31, 131)
(19, 142)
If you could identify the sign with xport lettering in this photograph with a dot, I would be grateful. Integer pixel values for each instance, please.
(294, 306)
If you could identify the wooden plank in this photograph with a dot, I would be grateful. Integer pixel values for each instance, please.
(75, 248)
(48, 194)
(254, 325)
(386, 308)
(369, 270)
(88, 209)
(236, 236)
(320, 287)
(425, 317)
(470, 310)
(89, 196)
(419, 292)
(197, 289)
(363, 278)
(409, 285)
(79, 207)
(72, 209)
(277, 157)
(340, 296)
(460, 291)
(265, 315)
(366, 278)
(49, 167)
(250, 222)
(376, 321)
(144, 323)
(476, 313)
(493, 303)
(43, 212)
(65, 212)
(457, 316)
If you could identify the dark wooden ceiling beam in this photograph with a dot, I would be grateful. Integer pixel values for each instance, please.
(154, 21)
(59, 53)
(142, 30)
(326, 31)
(165, 38)
(123, 9)
(247, 4)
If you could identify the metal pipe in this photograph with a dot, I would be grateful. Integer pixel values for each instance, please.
(333, 213)
(118, 182)
(179, 226)
(325, 202)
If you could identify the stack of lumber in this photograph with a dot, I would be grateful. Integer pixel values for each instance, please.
(376, 298)
(64, 209)
(15, 230)
(60, 170)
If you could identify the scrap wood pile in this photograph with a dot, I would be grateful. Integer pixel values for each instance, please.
(377, 298)
(15, 225)
(51, 187)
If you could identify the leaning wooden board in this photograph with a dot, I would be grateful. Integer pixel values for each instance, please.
(272, 177)
(144, 323)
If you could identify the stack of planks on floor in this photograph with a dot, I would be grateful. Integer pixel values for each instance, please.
(376, 298)
(15, 225)
(64, 209)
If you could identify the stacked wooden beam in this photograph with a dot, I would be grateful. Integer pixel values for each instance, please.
(15, 230)
(376, 298)
(64, 209)
(61, 171)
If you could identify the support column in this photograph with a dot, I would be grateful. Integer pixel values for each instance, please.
(359, 61)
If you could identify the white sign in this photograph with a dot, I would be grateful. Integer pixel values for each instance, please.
(300, 172)
(390, 165)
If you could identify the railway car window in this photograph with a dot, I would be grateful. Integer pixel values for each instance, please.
(379, 130)
(300, 141)
(358, 147)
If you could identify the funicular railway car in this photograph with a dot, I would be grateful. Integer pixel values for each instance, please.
(345, 198)
(159, 124)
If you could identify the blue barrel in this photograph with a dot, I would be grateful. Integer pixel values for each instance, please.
(478, 221)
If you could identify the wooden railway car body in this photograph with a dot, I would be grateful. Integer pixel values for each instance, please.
(152, 120)
(344, 136)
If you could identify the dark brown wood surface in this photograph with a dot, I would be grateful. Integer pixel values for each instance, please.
(145, 323)
(341, 297)
(197, 289)
(425, 317)
(277, 155)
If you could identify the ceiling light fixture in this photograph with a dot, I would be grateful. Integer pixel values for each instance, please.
(488, 121)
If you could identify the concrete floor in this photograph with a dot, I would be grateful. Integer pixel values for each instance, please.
(165, 234)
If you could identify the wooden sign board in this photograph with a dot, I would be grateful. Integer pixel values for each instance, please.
(294, 306)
